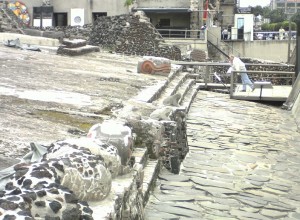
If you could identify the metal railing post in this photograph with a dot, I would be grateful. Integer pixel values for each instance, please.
(231, 83)
(207, 68)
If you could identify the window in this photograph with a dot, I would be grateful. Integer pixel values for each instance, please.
(165, 22)
(290, 5)
(280, 5)
(60, 19)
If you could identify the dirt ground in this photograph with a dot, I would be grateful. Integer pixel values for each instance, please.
(46, 97)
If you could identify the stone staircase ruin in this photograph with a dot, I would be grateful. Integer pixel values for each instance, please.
(159, 144)
(76, 47)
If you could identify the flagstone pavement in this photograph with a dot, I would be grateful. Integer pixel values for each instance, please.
(243, 163)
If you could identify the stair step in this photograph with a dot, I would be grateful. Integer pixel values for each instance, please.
(75, 43)
(151, 92)
(151, 172)
(189, 97)
(141, 156)
(124, 185)
(172, 87)
(185, 87)
(106, 208)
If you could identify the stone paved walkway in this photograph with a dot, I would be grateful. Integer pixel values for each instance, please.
(243, 163)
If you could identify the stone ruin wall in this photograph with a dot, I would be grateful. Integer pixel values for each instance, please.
(131, 34)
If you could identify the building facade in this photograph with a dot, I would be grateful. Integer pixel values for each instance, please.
(289, 6)
(63, 13)
(171, 14)
(188, 14)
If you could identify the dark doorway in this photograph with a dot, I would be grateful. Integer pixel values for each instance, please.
(98, 14)
(165, 22)
(60, 19)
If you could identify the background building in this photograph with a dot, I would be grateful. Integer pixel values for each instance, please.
(63, 13)
(290, 6)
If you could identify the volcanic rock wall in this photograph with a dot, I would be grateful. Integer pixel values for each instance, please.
(131, 34)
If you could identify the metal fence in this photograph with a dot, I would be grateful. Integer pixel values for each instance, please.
(182, 33)
(273, 35)
(201, 34)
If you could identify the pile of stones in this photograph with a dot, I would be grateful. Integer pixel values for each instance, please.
(131, 34)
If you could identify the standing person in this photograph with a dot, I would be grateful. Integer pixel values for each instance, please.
(281, 33)
(238, 65)
(225, 34)
(202, 32)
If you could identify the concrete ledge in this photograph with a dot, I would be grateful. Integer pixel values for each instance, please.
(32, 40)
(46, 34)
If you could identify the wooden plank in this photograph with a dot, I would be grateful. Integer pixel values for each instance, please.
(213, 85)
(277, 93)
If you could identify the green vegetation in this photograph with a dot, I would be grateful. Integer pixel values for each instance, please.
(277, 17)
(128, 3)
(78, 122)
(276, 26)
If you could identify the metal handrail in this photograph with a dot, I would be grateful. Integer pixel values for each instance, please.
(221, 43)
(234, 74)
(182, 33)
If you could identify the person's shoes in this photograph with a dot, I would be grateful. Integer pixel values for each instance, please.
(252, 89)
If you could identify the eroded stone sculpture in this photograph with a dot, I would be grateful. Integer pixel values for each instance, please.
(172, 100)
(162, 113)
(154, 65)
(114, 133)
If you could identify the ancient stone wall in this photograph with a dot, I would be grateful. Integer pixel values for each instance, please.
(131, 34)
